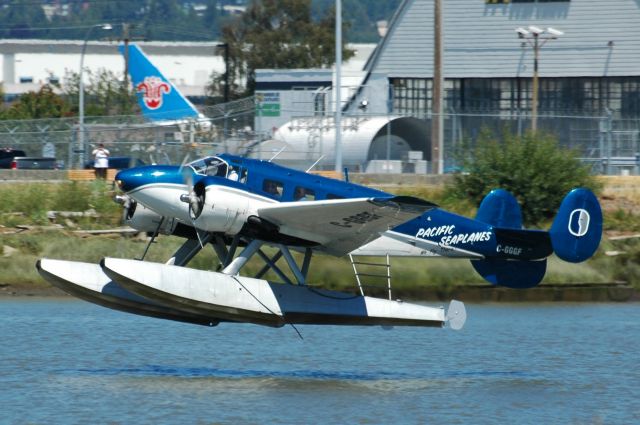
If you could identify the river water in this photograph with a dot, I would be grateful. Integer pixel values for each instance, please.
(67, 361)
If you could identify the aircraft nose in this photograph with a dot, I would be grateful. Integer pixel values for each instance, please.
(128, 180)
(133, 178)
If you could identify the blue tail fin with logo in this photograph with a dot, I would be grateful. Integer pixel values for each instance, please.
(577, 228)
(159, 99)
(574, 237)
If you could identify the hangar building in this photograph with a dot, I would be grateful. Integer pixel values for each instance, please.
(589, 74)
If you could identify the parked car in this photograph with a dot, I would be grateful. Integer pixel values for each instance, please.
(33, 163)
(119, 163)
(17, 159)
(7, 155)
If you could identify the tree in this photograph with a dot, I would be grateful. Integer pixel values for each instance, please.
(104, 93)
(533, 167)
(19, 19)
(44, 103)
(277, 34)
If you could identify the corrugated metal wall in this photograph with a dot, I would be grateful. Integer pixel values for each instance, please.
(480, 39)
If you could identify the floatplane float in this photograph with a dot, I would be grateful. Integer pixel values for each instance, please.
(239, 206)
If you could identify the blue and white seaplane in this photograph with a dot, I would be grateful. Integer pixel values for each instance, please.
(239, 206)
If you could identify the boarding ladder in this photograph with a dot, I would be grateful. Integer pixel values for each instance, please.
(377, 276)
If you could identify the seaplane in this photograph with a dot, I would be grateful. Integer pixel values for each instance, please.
(241, 206)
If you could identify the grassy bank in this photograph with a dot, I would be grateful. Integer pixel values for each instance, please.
(27, 204)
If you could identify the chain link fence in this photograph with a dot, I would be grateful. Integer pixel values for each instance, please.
(610, 145)
(228, 127)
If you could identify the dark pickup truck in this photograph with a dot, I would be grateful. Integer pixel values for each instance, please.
(33, 163)
(16, 159)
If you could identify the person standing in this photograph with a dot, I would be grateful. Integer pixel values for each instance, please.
(101, 161)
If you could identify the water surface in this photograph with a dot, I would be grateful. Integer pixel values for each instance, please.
(67, 361)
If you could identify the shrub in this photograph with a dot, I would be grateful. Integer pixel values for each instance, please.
(533, 167)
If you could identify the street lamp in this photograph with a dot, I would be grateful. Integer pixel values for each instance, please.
(82, 149)
(536, 38)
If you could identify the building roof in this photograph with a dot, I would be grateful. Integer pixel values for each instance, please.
(601, 38)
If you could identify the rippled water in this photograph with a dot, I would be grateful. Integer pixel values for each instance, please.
(65, 361)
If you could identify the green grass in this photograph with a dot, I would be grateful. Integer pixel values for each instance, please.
(28, 203)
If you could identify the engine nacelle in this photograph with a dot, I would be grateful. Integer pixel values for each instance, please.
(224, 209)
(146, 220)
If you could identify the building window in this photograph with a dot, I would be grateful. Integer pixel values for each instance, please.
(580, 95)
(411, 95)
(629, 96)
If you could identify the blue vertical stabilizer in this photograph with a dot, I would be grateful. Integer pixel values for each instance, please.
(159, 99)
(577, 229)
(500, 209)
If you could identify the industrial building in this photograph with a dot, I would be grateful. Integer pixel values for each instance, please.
(588, 68)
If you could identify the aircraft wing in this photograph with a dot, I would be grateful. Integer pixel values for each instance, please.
(342, 225)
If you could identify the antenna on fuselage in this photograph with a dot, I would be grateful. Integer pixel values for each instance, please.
(184, 161)
(278, 153)
(314, 164)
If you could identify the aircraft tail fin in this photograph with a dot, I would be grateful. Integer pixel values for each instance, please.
(159, 99)
(574, 236)
(577, 229)
(500, 209)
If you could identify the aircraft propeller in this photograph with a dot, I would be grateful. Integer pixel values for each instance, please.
(128, 206)
(195, 197)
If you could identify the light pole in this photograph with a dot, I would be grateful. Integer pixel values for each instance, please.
(337, 94)
(536, 38)
(81, 91)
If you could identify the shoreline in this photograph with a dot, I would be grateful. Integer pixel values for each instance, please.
(585, 292)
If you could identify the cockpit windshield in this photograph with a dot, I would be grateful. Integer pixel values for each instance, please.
(210, 166)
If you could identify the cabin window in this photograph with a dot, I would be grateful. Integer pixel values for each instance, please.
(243, 175)
(210, 167)
(303, 194)
(332, 196)
(272, 187)
(233, 174)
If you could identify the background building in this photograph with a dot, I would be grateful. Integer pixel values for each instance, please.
(590, 73)
(592, 67)
(28, 64)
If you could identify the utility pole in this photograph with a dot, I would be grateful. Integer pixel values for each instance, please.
(436, 101)
(225, 46)
(126, 38)
(337, 94)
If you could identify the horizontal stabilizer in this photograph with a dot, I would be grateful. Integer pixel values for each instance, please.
(511, 273)
(521, 244)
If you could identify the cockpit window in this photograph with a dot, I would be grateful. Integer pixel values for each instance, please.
(210, 166)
